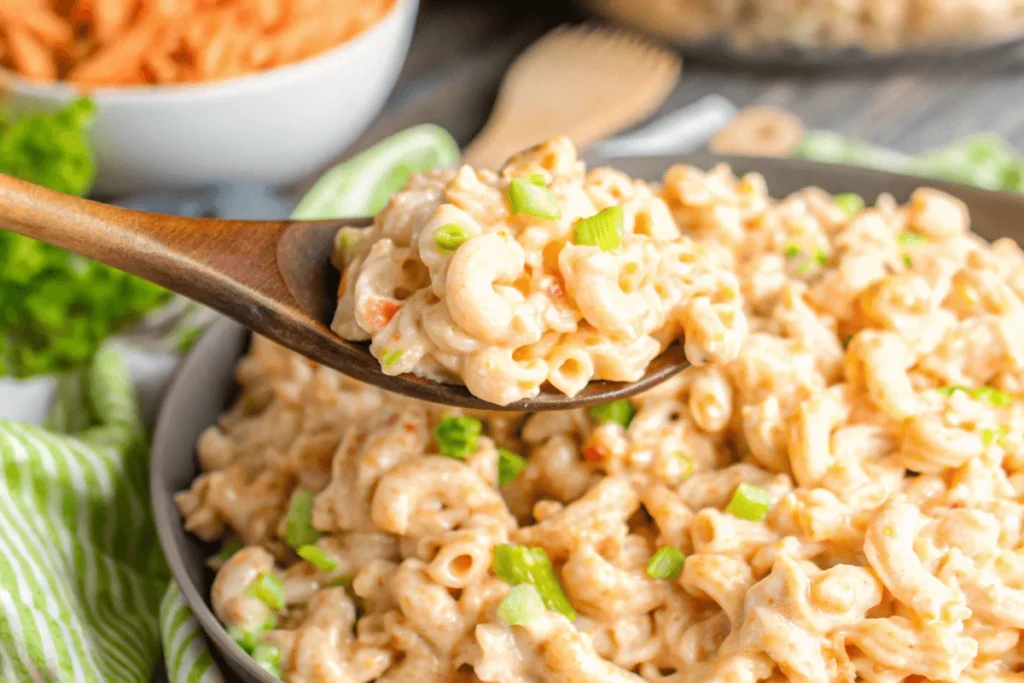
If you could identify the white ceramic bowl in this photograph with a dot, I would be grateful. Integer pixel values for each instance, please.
(277, 126)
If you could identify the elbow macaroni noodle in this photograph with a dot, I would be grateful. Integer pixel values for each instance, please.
(519, 303)
(877, 400)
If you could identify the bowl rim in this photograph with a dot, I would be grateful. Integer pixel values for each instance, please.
(212, 631)
(15, 84)
(811, 173)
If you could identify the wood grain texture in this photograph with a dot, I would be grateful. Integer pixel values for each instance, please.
(462, 48)
(586, 82)
(229, 265)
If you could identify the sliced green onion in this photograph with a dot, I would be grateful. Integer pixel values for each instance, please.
(349, 237)
(249, 639)
(517, 564)
(622, 411)
(346, 240)
(267, 589)
(299, 529)
(749, 502)
(457, 436)
(246, 639)
(908, 262)
(911, 239)
(389, 358)
(341, 582)
(992, 396)
(820, 258)
(527, 198)
(317, 557)
(510, 466)
(537, 179)
(604, 229)
(686, 462)
(450, 236)
(989, 395)
(792, 251)
(990, 435)
(667, 563)
(522, 605)
(269, 658)
(228, 550)
(850, 202)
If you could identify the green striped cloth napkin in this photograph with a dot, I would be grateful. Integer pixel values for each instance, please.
(83, 586)
(84, 591)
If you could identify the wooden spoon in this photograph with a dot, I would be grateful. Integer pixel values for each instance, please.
(586, 82)
(274, 277)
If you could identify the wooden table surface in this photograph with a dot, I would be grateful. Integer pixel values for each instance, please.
(462, 48)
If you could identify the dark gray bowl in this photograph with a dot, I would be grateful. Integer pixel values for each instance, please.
(204, 384)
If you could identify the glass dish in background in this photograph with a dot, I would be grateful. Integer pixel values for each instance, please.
(822, 31)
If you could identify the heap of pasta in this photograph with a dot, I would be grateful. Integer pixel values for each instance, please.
(539, 273)
(130, 42)
(842, 502)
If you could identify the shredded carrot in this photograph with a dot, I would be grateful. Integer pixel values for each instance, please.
(29, 55)
(129, 42)
(110, 17)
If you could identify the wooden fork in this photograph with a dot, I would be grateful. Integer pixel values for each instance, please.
(585, 82)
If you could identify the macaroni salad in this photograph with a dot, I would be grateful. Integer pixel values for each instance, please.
(840, 502)
(542, 273)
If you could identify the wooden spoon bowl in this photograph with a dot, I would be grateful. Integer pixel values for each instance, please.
(586, 82)
(274, 277)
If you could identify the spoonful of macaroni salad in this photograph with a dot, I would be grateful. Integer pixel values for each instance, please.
(542, 275)
(542, 287)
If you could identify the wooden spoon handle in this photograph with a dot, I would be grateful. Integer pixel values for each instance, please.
(496, 142)
(486, 151)
(229, 265)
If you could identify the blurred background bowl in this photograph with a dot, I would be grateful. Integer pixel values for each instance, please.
(820, 32)
(275, 127)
